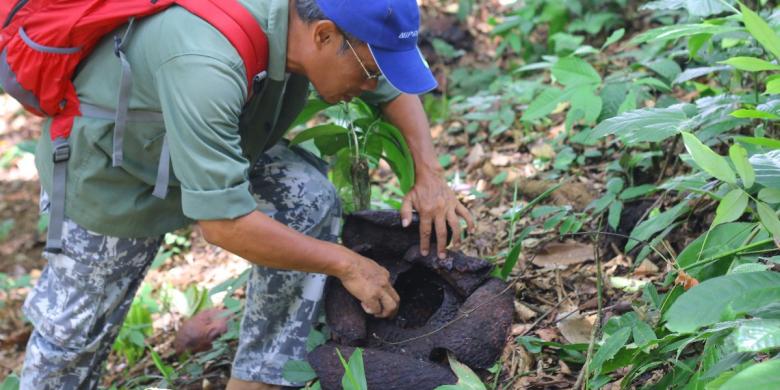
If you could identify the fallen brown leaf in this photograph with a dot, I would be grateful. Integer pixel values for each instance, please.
(562, 255)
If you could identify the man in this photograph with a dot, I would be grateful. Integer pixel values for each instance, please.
(248, 192)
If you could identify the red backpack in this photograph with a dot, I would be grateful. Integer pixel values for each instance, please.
(43, 41)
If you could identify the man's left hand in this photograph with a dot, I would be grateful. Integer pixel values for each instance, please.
(438, 207)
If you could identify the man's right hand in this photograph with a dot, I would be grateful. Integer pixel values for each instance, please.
(370, 284)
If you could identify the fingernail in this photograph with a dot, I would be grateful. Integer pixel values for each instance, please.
(442, 256)
(424, 252)
(405, 223)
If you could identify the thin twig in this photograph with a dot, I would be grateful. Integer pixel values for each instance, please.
(582, 378)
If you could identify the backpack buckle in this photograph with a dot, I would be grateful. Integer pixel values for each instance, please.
(61, 152)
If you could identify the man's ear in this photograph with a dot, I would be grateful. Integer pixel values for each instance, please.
(324, 33)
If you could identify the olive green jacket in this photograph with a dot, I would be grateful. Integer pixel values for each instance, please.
(184, 68)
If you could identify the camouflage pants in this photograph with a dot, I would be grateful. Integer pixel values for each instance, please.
(83, 295)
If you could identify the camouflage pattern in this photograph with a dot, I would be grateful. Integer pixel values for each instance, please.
(80, 302)
(282, 305)
(78, 306)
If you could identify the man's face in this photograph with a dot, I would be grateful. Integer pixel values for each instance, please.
(337, 74)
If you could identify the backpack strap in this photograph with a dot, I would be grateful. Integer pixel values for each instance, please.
(60, 155)
(123, 100)
(239, 27)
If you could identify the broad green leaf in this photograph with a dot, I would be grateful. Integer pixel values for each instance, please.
(753, 302)
(751, 64)
(609, 349)
(313, 107)
(647, 229)
(731, 207)
(707, 160)
(467, 379)
(587, 102)
(762, 376)
(769, 195)
(767, 168)
(754, 114)
(703, 304)
(654, 82)
(319, 131)
(635, 192)
(298, 371)
(760, 30)
(739, 157)
(769, 219)
(773, 87)
(682, 30)
(615, 210)
(544, 104)
(646, 125)
(574, 71)
(760, 141)
(694, 73)
(354, 372)
(614, 37)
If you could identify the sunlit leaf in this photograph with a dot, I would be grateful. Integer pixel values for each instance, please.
(739, 157)
(751, 64)
(762, 376)
(709, 161)
(769, 219)
(574, 71)
(702, 305)
(760, 30)
(731, 207)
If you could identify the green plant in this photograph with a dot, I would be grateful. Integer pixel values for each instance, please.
(355, 143)
(354, 372)
(131, 341)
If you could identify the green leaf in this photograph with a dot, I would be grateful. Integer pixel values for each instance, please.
(11, 382)
(762, 376)
(739, 157)
(614, 37)
(709, 161)
(751, 64)
(317, 132)
(769, 195)
(646, 125)
(731, 207)
(635, 192)
(313, 107)
(467, 379)
(754, 114)
(773, 87)
(760, 141)
(609, 349)
(769, 219)
(574, 71)
(678, 31)
(767, 168)
(703, 304)
(354, 372)
(298, 371)
(615, 211)
(760, 30)
(758, 335)
(544, 104)
(647, 229)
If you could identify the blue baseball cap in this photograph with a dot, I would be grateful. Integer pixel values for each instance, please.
(390, 28)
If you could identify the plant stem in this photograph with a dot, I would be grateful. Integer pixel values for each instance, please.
(584, 376)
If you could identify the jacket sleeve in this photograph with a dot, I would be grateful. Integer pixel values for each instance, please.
(201, 99)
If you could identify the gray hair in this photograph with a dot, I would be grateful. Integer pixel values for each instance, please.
(309, 11)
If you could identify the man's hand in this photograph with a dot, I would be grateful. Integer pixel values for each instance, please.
(438, 207)
(370, 284)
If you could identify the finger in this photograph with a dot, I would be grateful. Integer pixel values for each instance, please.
(454, 222)
(466, 214)
(371, 307)
(406, 211)
(389, 307)
(394, 295)
(425, 235)
(441, 236)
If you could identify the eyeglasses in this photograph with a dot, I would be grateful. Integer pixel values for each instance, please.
(369, 75)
